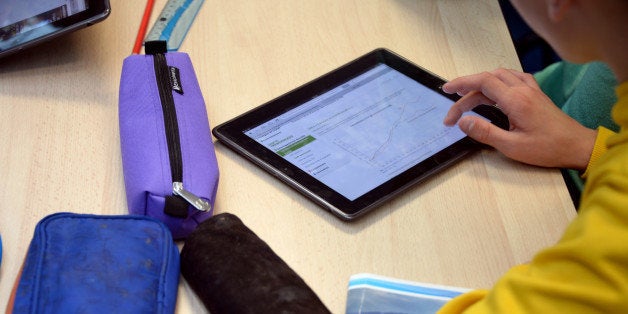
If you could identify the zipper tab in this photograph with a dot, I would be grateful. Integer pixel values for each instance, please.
(197, 202)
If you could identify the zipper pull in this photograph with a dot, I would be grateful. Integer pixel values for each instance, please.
(197, 202)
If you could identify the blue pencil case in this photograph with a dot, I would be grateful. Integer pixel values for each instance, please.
(99, 264)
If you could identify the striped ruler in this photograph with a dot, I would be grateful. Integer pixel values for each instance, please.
(174, 21)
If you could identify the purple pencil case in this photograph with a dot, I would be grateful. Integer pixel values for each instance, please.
(168, 157)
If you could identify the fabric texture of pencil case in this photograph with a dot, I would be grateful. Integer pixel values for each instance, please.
(98, 264)
(168, 157)
(232, 271)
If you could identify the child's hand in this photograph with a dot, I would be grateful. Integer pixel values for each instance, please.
(540, 133)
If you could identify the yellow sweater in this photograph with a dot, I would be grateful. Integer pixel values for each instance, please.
(587, 270)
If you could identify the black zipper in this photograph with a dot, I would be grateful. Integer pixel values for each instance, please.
(170, 116)
(177, 203)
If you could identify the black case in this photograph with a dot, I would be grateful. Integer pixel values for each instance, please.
(233, 271)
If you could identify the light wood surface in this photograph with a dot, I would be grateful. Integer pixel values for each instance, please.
(61, 149)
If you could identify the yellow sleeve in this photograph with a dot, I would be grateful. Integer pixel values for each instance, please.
(598, 149)
(587, 270)
(464, 301)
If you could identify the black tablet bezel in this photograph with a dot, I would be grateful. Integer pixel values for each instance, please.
(97, 11)
(232, 134)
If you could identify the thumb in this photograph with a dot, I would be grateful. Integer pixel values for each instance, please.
(482, 130)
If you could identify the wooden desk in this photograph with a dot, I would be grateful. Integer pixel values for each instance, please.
(61, 150)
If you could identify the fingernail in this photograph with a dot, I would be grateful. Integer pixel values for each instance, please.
(466, 126)
(445, 88)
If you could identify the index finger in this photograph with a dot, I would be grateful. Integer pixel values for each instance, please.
(485, 83)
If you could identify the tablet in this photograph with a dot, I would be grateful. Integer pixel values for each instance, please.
(24, 23)
(355, 137)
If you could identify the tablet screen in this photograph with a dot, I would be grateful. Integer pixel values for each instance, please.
(356, 136)
(363, 133)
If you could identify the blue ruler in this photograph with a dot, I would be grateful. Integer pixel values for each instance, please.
(174, 21)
